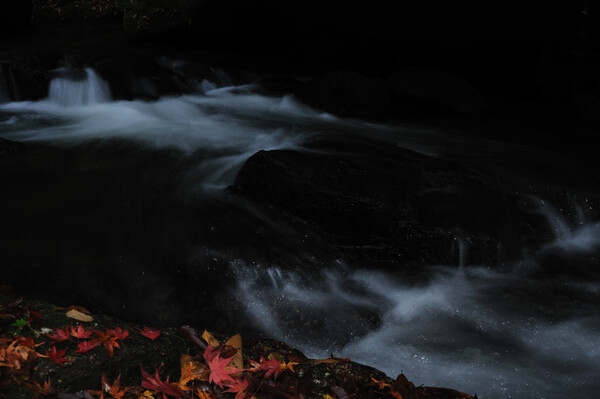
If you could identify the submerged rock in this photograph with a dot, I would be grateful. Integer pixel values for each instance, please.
(388, 205)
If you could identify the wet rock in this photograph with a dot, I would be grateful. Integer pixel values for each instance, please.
(387, 205)
(22, 78)
(347, 93)
(81, 374)
(7, 146)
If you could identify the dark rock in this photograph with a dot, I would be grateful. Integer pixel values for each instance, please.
(347, 93)
(392, 206)
(151, 19)
(7, 146)
(434, 90)
(22, 78)
(78, 12)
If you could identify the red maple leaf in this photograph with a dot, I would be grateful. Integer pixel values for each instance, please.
(59, 335)
(148, 333)
(271, 367)
(80, 332)
(153, 382)
(238, 387)
(118, 333)
(110, 344)
(57, 356)
(219, 372)
(33, 314)
(85, 346)
(210, 353)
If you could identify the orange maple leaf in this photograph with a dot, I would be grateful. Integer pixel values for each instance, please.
(191, 370)
(80, 332)
(113, 390)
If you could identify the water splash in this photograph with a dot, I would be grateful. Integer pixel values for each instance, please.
(573, 234)
(459, 329)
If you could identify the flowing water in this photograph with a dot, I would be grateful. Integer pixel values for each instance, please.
(498, 332)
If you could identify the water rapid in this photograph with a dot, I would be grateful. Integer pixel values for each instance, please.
(498, 333)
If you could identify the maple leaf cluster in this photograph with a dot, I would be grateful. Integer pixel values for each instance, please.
(219, 370)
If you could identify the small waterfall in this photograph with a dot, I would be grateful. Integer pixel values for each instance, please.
(76, 88)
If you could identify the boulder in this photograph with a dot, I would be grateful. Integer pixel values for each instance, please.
(390, 206)
(347, 93)
(431, 89)
(22, 78)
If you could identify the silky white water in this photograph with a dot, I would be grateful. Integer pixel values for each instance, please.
(496, 334)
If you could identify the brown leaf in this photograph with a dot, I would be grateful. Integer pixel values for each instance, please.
(79, 316)
(236, 342)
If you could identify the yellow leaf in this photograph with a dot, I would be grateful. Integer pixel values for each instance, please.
(146, 395)
(208, 337)
(77, 315)
(327, 396)
(191, 370)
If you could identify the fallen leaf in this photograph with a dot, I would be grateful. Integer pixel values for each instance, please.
(77, 315)
(86, 346)
(238, 387)
(113, 390)
(236, 342)
(208, 337)
(57, 356)
(271, 367)
(59, 335)
(118, 333)
(191, 370)
(156, 384)
(219, 370)
(148, 333)
(79, 309)
(288, 366)
(110, 345)
(80, 332)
